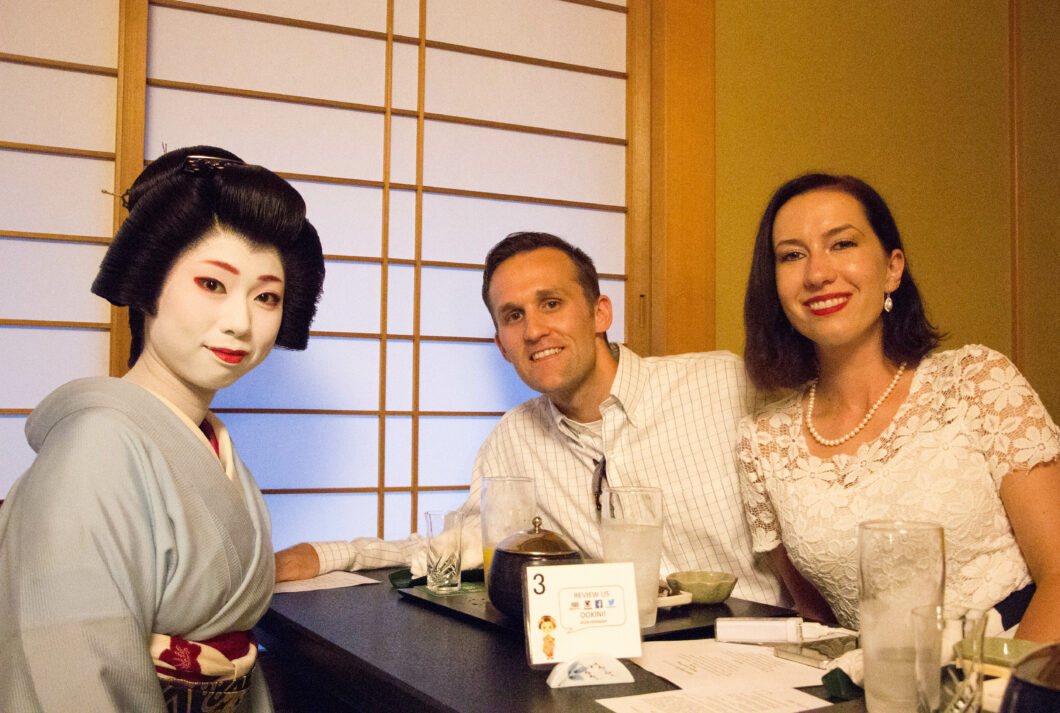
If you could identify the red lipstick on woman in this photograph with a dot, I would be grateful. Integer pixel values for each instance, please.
(231, 356)
(827, 304)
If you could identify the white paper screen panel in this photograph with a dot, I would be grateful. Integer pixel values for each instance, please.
(81, 31)
(18, 456)
(397, 517)
(492, 160)
(451, 303)
(399, 375)
(403, 150)
(407, 18)
(468, 377)
(466, 85)
(402, 224)
(70, 354)
(331, 373)
(307, 450)
(43, 184)
(347, 218)
(304, 517)
(45, 280)
(230, 52)
(398, 466)
(53, 107)
(463, 229)
(350, 302)
(546, 29)
(448, 446)
(295, 138)
(400, 299)
(364, 14)
(405, 76)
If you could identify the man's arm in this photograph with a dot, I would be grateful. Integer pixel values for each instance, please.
(309, 559)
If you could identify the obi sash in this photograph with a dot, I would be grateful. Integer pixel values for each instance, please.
(210, 676)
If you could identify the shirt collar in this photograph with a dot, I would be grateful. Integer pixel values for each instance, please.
(625, 389)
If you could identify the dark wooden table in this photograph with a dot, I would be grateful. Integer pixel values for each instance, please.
(369, 648)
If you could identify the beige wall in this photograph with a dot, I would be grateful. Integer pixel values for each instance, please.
(1039, 192)
(914, 98)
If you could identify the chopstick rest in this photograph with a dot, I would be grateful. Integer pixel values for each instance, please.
(589, 670)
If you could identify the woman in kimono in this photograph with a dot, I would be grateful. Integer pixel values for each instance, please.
(135, 553)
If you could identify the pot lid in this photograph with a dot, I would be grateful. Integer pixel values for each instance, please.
(536, 542)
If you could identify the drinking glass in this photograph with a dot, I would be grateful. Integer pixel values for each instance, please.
(949, 658)
(901, 565)
(631, 531)
(507, 506)
(444, 530)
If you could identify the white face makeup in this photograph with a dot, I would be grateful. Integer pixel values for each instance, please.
(217, 318)
(832, 273)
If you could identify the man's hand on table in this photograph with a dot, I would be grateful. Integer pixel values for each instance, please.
(298, 562)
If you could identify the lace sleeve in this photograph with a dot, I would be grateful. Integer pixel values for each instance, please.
(758, 509)
(1014, 429)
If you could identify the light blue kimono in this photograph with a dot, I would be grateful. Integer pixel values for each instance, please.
(125, 524)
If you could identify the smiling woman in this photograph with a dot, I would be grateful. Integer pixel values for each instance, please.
(955, 437)
(218, 316)
(147, 539)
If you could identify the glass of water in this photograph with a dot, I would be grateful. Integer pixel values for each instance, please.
(631, 531)
(444, 530)
(901, 566)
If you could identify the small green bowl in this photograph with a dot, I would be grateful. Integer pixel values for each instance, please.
(705, 587)
(999, 654)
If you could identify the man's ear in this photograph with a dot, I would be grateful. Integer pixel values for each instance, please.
(497, 341)
(602, 313)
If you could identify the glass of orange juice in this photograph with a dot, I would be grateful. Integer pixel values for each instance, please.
(507, 506)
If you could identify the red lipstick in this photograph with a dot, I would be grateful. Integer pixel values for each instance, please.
(827, 304)
(230, 356)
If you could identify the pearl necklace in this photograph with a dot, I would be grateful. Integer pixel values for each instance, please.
(857, 429)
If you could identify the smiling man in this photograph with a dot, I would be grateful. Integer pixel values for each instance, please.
(604, 414)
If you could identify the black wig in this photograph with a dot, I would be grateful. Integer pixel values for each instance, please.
(180, 197)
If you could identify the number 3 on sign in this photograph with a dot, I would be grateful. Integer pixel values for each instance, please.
(575, 609)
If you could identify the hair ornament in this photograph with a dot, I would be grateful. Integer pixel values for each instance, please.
(207, 164)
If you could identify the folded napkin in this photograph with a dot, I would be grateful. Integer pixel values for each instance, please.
(470, 548)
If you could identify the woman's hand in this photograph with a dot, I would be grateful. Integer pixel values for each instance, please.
(808, 601)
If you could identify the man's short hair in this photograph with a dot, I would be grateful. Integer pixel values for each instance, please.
(523, 242)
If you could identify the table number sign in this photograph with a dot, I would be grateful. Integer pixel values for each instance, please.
(578, 609)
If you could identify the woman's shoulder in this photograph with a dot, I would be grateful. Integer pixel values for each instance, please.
(109, 412)
(775, 410)
(964, 362)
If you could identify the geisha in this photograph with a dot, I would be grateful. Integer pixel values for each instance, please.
(135, 553)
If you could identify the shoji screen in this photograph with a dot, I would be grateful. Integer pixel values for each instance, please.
(420, 133)
(57, 88)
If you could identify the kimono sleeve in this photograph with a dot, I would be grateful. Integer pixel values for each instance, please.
(80, 572)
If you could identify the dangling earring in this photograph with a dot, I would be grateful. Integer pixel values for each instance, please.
(888, 303)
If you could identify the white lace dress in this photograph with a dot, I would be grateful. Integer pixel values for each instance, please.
(969, 419)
